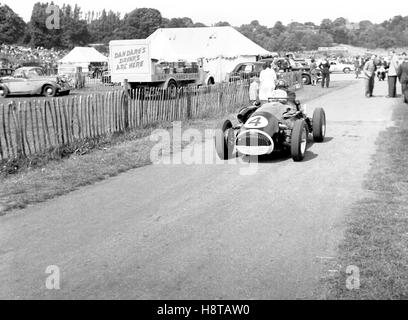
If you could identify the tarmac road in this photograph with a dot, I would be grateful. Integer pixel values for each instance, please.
(214, 231)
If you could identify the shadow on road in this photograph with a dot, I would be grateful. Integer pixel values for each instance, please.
(327, 139)
(309, 155)
(277, 157)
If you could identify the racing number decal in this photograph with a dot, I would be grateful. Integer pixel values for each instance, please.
(256, 122)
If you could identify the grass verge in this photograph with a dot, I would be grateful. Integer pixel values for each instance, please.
(49, 175)
(376, 239)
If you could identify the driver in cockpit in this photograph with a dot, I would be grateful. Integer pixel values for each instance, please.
(286, 105)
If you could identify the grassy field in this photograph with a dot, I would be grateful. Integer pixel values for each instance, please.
(376, 239)
(95, 160)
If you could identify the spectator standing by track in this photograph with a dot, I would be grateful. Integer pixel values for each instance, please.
(402, 74)
(254, 90)
(313, 72)
(392, 75)
(325, 67)
(369, 76)
(357, 66)
(267, 79)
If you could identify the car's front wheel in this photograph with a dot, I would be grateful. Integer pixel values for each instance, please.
(3, 91)
(49, 91)
(346, 70)
(224, 140)
(299, 140)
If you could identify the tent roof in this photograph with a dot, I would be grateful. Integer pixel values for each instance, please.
(207, 42)
(83, 55)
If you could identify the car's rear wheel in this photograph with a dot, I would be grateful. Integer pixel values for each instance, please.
(299, 140)
(224, 140)
(172, 89)
(319, 125)
(306, 79)
(346, 70)
(3, 91)
(49, 91)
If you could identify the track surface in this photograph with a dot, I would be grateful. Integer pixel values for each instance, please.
(215, 231)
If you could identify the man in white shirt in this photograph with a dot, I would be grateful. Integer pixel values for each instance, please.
(267, 79)
(392, 75)
(254, 90)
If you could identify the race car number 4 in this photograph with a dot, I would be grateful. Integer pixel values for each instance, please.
(256, 122)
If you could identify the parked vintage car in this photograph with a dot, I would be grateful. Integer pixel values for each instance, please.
(246, 70)
(341, 67)
(33, 81)
(5, 72)
(298, 65)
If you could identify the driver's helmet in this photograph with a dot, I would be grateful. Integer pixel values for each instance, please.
(279, 96)
(281, 84)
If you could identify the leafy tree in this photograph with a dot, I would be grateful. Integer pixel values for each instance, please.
(74, 30)
(290, 42)
(12, 27)
(278, 28)
(39, 34)
(364, 25)
(199, 25)
(139, 24)
(222, 24)
(104, 26)
(180, 23)
(339, 22)
(102, 29)
(310, 24)
(326, 26)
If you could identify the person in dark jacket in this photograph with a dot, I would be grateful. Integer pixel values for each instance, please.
(325, 67)
(402, 74)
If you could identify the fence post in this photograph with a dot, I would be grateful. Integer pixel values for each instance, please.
(17, 128)
(188, 91)
(126, 103)
(219, 97)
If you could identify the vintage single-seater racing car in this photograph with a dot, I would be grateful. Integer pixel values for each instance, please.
(280, 124)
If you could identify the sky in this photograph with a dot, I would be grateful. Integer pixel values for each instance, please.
(238, 12)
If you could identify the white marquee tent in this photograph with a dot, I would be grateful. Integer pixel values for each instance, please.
(82, 57)
(221, 48)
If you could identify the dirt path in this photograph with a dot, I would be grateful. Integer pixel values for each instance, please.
(201, 231)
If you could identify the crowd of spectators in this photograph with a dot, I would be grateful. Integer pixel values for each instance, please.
(17, 56)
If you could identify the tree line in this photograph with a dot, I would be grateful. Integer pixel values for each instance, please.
(79, 29)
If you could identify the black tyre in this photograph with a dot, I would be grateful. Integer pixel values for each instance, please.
(299, 140)
(319, 125)
(172, 89)
(306, 79)
(346, 70)
(49, 91)
(3, 92)
(224, 141)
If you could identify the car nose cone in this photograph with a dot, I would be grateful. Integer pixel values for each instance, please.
(254, 143)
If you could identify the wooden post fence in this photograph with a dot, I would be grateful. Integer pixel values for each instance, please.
(38, 126)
